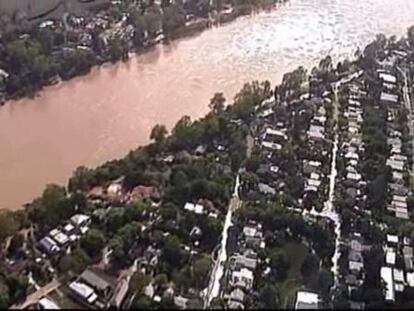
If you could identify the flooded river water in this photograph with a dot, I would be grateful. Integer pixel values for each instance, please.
(103, 115)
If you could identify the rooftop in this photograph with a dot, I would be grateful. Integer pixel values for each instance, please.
(306, 300)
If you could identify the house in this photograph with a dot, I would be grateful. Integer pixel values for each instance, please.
(181, 302)
(114, 189)
(68, 229)
(275, 136)
(389, 99)
(48, 245)
(121, 292)
(237, 295)
(266, 189)
(92, 279)
(235, 305)
(353, 177)
(306, 300)
(48, 304)
(386, 275)
(392, 239)
(316, 132)
(398, 275)
(242, 278)
(80, 220)
(239, 261)
(61, 238)
(395, 165)
(311, 166)
(410, 279)
(195, 208)
(144, 192)
(83, 292)
(390, 257)
(253, 235)
(388, 78)
(271, 146)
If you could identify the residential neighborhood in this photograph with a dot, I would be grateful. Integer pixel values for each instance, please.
(293, 197)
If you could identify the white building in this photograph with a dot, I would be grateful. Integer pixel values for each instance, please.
(306, 300)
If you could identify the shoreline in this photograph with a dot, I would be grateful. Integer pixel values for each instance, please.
(196, 28)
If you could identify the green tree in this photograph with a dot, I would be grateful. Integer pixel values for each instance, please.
(16, 243)
(8, 225)
(52, 207)
(115, 219)
(201, 268)
(76, 262)
(410, 34)
(159, 133)
(116, 244)
(81, 179)
(18, 285)
(310, 266)
(279, 263)
(93, 243)
(138, 282)
(217, 103)
(171, 251)
(4, 295)
(269, 297)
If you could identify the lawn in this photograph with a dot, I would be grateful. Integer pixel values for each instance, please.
(296, 253)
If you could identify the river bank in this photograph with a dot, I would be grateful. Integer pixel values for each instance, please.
(92, 59)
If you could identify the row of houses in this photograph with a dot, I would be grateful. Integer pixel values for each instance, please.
(397, 272)
(61, 237)
(397, 160)
(242, 265)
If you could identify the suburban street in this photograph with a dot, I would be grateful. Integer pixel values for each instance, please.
(213, 289)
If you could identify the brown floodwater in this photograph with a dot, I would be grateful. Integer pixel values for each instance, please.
(110, 111)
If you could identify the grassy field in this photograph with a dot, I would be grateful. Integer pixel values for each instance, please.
(296, 253)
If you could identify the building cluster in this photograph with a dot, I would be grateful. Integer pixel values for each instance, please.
(60, 238)
(242, 266)
(398, 158)
(397, 272)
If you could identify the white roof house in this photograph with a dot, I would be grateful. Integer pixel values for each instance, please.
(195, 208)
(306, 300)
(114, 189)
(68, 228)
(243, 277)
(353, 176)
(395, 165)
(410, 278)
(48, 304)
(316, 131)
(398, 275)
(249, 231)
(61, 238)
(270, 145)
(390, 98)
(392, 238)
(84, 291)
(386, 275)
(388, 78)
(390, 257)
(79, 219)
(278, 133)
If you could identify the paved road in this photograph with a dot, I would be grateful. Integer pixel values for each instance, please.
(37, 295)
(213, 289)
